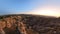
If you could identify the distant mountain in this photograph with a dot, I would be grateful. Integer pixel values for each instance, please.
(29, 24)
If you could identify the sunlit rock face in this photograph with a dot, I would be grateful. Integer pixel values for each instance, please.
(29, 24)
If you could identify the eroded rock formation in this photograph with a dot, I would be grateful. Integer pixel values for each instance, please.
(29, 24)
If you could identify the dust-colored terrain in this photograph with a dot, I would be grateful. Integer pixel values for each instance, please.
(29, 24)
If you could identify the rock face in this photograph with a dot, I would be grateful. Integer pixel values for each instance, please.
(29, 24)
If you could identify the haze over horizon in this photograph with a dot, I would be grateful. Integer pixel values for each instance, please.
(43, 7)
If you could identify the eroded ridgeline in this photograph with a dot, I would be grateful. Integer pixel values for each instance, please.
(12, 25)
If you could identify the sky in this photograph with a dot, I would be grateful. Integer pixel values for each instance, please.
(30, 7)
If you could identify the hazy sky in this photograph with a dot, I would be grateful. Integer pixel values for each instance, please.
(18, 6)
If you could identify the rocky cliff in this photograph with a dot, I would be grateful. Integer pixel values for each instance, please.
(29, 24)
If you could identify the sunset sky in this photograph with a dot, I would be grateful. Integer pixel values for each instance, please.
(42, 7)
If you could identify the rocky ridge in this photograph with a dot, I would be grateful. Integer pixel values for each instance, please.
(29, 24)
